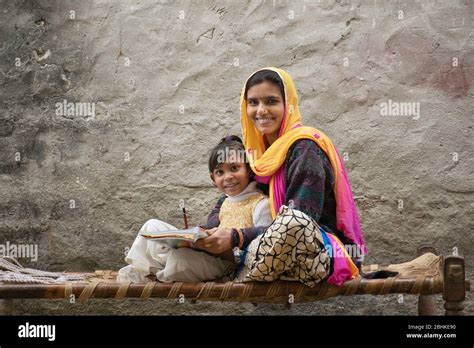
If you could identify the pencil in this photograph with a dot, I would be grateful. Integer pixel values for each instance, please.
(185, 218)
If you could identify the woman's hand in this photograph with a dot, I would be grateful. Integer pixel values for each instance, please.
(218, 241)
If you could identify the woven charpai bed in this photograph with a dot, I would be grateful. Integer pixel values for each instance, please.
(427, 275)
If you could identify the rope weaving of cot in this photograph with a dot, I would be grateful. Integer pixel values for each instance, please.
(205, 290)
(120, 294)
(87, 292)
(147, 290)
(174, 292)
(422, 275)
(11, 271)
(274, 290)
(226, 291)
(122, 291)
(247, 291)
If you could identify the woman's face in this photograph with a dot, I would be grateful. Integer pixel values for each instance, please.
(265, 107)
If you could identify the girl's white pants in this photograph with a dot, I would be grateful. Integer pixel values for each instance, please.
(169, 265)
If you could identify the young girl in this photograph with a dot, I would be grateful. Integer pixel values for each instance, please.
(242, 205)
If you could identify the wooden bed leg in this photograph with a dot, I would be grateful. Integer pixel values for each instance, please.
(454, 284)
(426, 303)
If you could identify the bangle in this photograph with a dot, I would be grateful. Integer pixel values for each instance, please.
(241, 238)
(234, 237)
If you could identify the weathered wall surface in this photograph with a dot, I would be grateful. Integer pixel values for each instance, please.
(164, 78)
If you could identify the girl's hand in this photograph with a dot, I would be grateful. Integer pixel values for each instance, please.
(218, 242)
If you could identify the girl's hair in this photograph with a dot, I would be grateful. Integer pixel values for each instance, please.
(265, 75)
(220, 152)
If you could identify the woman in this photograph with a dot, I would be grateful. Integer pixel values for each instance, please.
(306, 179)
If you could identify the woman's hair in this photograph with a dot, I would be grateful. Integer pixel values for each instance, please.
(265, 75)
(229, 147)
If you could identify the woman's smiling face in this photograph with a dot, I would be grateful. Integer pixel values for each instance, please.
(265, 107)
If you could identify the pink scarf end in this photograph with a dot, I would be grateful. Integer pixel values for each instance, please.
(341, 271)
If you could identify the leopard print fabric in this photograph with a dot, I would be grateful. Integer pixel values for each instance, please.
(292, 248)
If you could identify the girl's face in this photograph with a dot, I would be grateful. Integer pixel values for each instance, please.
(231, 178)
(265, 107)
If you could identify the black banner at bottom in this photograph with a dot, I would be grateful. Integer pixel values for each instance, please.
(213, 330)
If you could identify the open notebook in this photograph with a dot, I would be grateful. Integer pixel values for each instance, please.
(177, 238)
